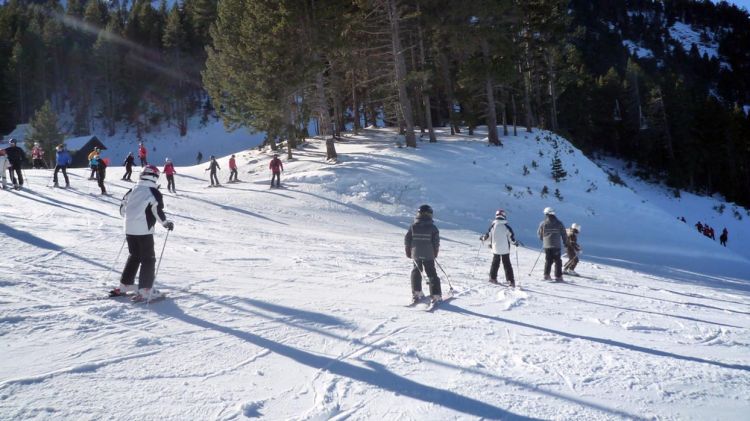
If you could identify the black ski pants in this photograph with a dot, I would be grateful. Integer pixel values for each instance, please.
(233, 174)
(128, 172)
(214, 178)
(276, 176)
(572, 260)
(170, 183)
(62, 168)
(141, 254)
(16, 167)
(496, 258)
(552, 255)
(416, 276)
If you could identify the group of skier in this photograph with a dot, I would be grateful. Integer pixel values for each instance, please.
(422, 245)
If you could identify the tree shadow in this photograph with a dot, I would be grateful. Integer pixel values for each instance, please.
(238, 210)
(64, 205)
(608, 342)
(376, 375)
(35, 241)
(294, 314)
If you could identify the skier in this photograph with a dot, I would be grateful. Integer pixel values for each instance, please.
(552, 232)
(573, 249)
(142, 153)
(213, 166)
(16, 158)
(276, 167)
(501, 237)
(37, 157)
(422, 243)
(724, 237)
(170, 172)
(3, 166)
(129, 162)
(142, 206)
(199, 158)
(62, 160)
(101, 172)
(232, 170)
(93, 162)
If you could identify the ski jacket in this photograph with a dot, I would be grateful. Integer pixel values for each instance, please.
(63, 158)
(101, 169)
(142, 206)
(37, 153)
(169, 169)
(422, 241)
(129, 161)
(552, 233)
(3, 165)
(232, 164)
(276, 166)
(142, 151)
(573, 248)
(92, 154)
(16, 155)
(213, 166)
(501, 237)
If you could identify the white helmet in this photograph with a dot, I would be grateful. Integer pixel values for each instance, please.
(576, 227)
(150, 172)
(549, 211)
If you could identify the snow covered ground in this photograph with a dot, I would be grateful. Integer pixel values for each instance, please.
(290, 303)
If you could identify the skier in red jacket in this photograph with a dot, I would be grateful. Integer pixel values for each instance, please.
(233, 170)
(142, 153)
(276, 168)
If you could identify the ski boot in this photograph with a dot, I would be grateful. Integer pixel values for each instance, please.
(122, 290)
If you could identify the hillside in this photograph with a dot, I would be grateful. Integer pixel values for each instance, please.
(289, 303)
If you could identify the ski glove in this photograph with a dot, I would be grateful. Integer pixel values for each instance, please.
(169, 225)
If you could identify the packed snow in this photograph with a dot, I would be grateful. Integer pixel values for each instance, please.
(636, 50)
(291, 303)
(686, 35)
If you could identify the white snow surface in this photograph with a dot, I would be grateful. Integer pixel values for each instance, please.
(637, 50)
(686, 35)
(289, 304)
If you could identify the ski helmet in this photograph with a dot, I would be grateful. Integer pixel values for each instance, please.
(167, 160)
(12, 140)
(500, 214)
(576, 227)
(549, 211)
(425, 210)
(150, 172)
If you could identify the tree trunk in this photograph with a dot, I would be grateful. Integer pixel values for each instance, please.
(400, 67)
(425, 96)
(489, 85)
(355, 105)
(449, 93)
(515, 114)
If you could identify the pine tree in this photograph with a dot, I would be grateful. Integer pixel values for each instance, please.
(558, 172)
(45, 129)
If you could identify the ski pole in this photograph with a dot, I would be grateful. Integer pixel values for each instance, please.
(537, 260)
(448, 278)
(160, 255)
(476, 259)
(112, 269)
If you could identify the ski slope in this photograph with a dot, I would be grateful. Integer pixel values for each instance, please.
(290, 304)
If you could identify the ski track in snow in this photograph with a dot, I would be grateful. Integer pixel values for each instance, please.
(290, 304)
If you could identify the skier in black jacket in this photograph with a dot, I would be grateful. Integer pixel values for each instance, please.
(129, 162)
(422, 243)
(16, 158)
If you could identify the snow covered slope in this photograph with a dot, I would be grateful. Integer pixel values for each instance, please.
(289, 303)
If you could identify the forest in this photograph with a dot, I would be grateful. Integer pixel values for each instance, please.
(661, 84)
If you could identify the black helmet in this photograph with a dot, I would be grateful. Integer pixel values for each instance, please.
(425, 210)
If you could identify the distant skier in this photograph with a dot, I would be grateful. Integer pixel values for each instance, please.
(37, 157)
(142, 154)
(16, 158)
(552, 233)
(129, 162)
(573, 250)
(142, 206)
(501, 237)
(169, 171)
(3, 167)
(199, 158)
(276, 167)
(232, 170)
(724, 237)
(213, 166)
(62, 160)
(101, 172)
(93, 161)
(422, 243)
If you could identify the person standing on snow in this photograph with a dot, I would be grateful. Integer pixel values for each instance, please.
(573, 249)
(501, 237)
(213, 166)
(724, 237)
(199, 158)
(552, 233)
(169, 171)
(37, 157)
(101, 172)
(93, 162)
(142, 207)
(232, 169)
(129, 162)
(16, 158)
(142, 153)
(3, 167)
(421, 244)
(62, 160)
(276, 167)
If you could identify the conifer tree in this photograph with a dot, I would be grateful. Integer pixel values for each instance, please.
(45, 129)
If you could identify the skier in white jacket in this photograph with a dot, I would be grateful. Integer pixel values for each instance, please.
(501, 237)
(142, 207)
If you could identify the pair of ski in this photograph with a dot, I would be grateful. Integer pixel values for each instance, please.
(429, 306)
(129, 297)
